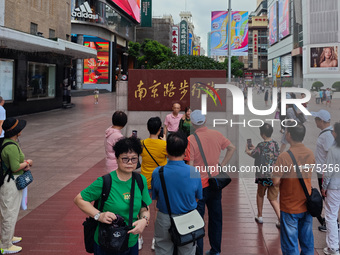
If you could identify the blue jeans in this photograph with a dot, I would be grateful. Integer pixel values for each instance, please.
(297, 228)
(212, 199)
(131, 251)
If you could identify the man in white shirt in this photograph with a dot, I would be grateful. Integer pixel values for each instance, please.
(323, 144)
(2, 116)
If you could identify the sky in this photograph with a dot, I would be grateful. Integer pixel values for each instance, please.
(200, 10)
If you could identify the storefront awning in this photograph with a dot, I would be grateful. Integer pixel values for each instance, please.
(16, 40)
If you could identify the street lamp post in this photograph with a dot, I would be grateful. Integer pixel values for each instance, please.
(229, 42)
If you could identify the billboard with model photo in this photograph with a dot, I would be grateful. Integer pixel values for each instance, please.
(131, 7)
(272, 19)
(324, 57)
(283, 18)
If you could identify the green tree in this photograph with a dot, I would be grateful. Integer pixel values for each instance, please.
(317, 85)
(190, 62)
(134, 49)
(336, 85)
(287, 84)
(236, 66)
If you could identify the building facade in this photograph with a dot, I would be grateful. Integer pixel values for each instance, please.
(106, 26)
(36, 54)
(321, 42)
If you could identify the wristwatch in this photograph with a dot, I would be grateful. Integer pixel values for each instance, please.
(96, 217)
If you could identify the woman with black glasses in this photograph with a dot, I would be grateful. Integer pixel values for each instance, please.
(127, 151)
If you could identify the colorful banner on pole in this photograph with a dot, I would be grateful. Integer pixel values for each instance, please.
(272, 14)
(283, 18)
(174, 40)
(196, 51)
(219, 33)
(183, 28)
(146, 13)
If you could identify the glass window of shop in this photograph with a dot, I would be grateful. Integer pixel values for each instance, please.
(6, 79)
(41, 80)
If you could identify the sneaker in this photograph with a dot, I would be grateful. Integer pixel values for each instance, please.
(331, 251)
(16, 239)
(323, 228)
(278, 224)
(140, 243)
(259, 220)
(153, 244)
(11, 250)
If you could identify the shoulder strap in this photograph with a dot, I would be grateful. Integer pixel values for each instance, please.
(165, 192)
(150, 153)
(202, 153)
(140, 184)
(298, 172)
(107, 183)
(323, 131)
(8, 171)
(132, 197)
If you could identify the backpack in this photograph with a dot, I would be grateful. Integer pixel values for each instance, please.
(8, 171)
(91, 224)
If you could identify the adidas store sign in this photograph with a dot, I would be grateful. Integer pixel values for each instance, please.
(84, 11)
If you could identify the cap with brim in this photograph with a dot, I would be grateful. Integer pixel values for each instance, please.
(323, 115)
(13, 126)
(197, 118)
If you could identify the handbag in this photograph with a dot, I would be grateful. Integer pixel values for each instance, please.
(185, 228)
(116, 238)
(314, 201)
(219, 181)
(90, 224)
(22, 181)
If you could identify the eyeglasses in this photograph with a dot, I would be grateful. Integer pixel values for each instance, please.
(126, 160)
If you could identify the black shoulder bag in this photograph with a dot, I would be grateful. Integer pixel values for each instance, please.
(314, 201)
(113, 238)
(91, 224)
(219, 181)
(185, 228)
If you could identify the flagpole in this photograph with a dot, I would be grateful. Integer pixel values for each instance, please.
(229, 42)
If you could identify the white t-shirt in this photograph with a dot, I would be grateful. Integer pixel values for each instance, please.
(323, 144)
(2, 117)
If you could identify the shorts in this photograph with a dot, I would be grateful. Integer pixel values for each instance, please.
(272, 192)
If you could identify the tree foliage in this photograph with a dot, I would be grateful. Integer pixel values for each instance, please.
(190, 62)
(236, 66)
(336, 85)
(287, 84)
(317, 85)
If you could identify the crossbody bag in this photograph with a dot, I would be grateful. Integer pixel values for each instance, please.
(219, 181)
(185, 228)
(314, 201)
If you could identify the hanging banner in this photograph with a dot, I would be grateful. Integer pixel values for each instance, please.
(174, 40)
(183, 28)
(283, 18)
(272, 14)
(146, 14)
(276, 70)
(196, 51)
(219, 33)
(190, 44)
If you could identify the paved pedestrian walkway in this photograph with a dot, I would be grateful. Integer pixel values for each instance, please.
(67, 148)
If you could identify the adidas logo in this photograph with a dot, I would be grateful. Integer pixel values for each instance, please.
(84, 11)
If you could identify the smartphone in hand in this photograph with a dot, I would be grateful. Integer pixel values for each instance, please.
(249, 143)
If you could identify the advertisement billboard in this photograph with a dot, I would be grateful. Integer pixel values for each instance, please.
(324, 58)
(276, 70)
(146, 16)
(286, 66)
(183, 32)
(272, 19)
(174, 40)
(219, 33)
(131, 7)
(283, 18)
(196, 50)
(190, 44)
(96, 70)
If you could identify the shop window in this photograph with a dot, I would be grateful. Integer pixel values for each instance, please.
(6, 79)
(41, 80)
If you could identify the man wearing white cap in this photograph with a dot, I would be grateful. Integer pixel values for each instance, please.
(213, 142)
(323, 144)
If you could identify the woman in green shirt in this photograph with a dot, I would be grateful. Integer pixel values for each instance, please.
(127, 151)
(13, 160)
(185, 122)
